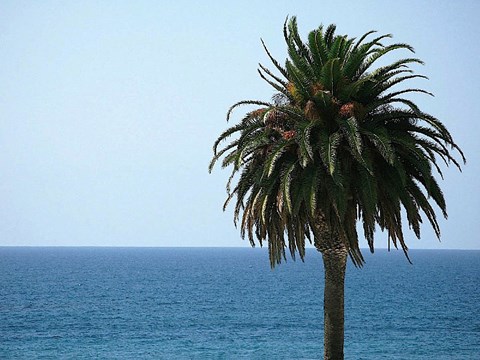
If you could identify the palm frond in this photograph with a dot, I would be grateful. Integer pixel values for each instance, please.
(246, 102)
(335, 146)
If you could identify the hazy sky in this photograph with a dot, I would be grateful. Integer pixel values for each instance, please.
(108, 111)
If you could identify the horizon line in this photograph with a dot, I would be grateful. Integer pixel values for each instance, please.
(366, 249)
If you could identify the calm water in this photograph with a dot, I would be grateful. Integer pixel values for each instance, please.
(138, 303)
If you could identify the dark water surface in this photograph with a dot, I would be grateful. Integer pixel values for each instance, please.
(212, 303)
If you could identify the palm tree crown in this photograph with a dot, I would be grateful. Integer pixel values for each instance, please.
(336, 145)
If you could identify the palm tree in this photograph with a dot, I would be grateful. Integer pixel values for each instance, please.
(336, 145)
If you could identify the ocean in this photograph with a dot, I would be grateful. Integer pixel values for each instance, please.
(226, 303)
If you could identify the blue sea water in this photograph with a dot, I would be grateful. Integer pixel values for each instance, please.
(212, 303)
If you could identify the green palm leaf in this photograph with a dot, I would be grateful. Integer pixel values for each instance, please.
(337, 144)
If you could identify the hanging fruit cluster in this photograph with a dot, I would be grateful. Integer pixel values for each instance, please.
(287, 135)
(346, 110)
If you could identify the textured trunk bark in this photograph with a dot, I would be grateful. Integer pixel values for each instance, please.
(334, 261)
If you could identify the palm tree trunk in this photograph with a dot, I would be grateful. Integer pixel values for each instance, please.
(334, 262)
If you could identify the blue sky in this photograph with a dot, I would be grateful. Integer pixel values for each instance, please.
(108, 111)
